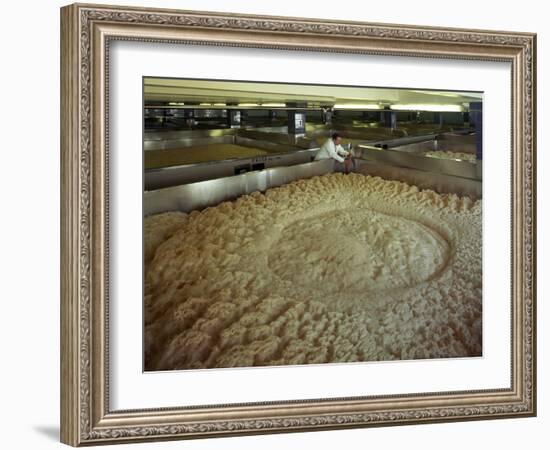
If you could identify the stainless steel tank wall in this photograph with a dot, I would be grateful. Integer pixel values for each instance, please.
(463, 169)
(199, 195)
(173, 176)
(438, 182)
(463, 144)
(197, 186)
(159, 140)
(202, 194)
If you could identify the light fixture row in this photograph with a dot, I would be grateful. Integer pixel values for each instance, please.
(349, 106)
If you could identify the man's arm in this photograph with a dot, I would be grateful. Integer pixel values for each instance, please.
(340, 150)
(333, 152)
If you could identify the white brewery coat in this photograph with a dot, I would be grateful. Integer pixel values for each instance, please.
(330, 150)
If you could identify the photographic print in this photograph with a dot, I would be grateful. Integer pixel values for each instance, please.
(289, 224)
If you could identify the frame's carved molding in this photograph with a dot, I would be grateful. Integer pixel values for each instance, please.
(78, 22)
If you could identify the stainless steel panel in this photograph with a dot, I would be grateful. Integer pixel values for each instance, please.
(277, 130)
(272, 147)
(278, 138)
(434, 165)
(439, 144)
(401, 141)
(184, 134)
(187, 142)
(288, 150)
(191, 173)
(202, 194)
(156, 140)
(436, 141)
(423, 180)
(258, 139)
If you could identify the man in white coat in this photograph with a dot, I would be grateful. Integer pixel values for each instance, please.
(332, 149)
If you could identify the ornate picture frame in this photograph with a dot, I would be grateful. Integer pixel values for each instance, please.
(87, 31)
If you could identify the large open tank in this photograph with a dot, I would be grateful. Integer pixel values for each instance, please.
(302, 265)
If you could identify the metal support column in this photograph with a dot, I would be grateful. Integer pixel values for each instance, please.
(326, 114)
(189, 115)
(233, 118)
(389, 119)
(438, 119)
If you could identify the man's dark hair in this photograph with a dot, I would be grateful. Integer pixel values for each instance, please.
(335, 136)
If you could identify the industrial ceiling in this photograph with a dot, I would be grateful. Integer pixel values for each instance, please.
(220, 93)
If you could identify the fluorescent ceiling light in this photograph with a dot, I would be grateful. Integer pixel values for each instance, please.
(274, 105)
(357, 106)
(427, 107)
(176, 104)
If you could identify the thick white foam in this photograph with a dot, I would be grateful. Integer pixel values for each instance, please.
(331, 269)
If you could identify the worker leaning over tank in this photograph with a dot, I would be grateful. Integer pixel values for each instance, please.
(332, 149)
